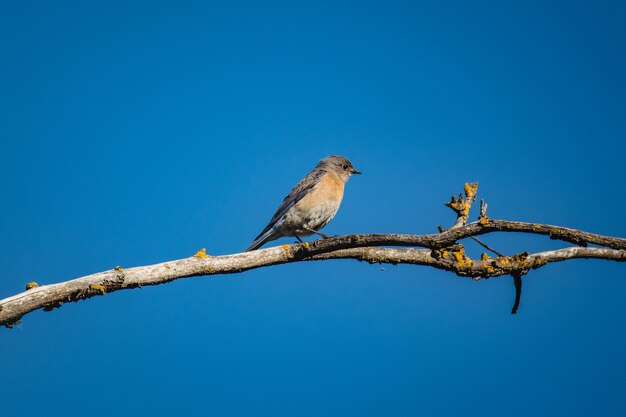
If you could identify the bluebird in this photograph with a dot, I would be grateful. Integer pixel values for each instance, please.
(311, 204)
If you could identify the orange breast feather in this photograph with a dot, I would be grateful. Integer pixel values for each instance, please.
(328, 190)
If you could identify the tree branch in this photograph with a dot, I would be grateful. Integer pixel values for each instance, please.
(442, 252)
(475, 269)
(450, 258)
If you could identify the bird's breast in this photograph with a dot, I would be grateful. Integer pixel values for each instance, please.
(329, 191)
(320, 205)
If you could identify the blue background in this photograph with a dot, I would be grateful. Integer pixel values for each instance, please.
(134, 133)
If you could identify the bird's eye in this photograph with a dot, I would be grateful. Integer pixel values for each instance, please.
(345, 166)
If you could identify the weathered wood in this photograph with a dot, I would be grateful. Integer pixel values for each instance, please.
(442, 253)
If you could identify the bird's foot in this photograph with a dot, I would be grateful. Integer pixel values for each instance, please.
(317, 233)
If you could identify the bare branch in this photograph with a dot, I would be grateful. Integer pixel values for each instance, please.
(484, 245)
(451, 236)
(450, 259)
(478, 269)
(442, 251)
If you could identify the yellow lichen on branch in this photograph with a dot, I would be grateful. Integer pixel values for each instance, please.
(462, 260)
(99, 288)
(462, 204)
(470, 195)
(201, 254)
(456, 255)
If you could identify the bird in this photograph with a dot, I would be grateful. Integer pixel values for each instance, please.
(311, 204)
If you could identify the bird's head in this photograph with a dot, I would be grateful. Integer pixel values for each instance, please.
(339, 165)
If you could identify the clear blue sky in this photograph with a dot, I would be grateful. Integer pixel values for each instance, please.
(134, 133)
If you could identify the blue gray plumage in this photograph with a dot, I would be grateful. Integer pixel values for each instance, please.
(311, 204)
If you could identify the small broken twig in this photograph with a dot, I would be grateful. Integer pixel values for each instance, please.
(461, 205)
(517, 281)
(484, 245)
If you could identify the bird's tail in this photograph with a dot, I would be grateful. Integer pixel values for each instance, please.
(263, 238)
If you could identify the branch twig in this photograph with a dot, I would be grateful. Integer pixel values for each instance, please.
(517, 281)
(462, 205)
(486, 246)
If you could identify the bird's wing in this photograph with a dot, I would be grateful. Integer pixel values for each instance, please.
(297, 193)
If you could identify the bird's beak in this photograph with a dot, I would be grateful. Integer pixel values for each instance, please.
(354, 171)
